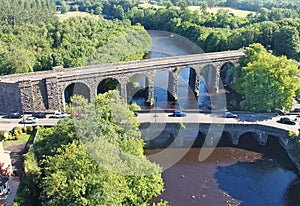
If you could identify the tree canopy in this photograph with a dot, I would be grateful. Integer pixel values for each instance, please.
(94, 158)
(267, 82)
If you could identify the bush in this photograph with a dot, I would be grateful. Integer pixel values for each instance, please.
(17, 132)
(29, 129)
(4, 135)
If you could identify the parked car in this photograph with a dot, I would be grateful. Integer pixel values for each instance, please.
(286, 120)
(58, 115)
(297, 110)
(179, 113)
(29, 120)
(39, 114)
(15, 115)
(230, 115)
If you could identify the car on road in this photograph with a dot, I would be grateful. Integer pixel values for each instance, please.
(15, 115)
(39, 115)
(296, 110)
(286, 120)
(230, 115)
(29, 120)
(179, 113)
(58, 115)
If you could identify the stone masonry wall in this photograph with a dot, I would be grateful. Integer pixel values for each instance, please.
(9, 97)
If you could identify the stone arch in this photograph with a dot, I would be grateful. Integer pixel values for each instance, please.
(137, 89)
(76, 88)
(108, 84)
(186, 88)
(248, 140)
(226, 139)
(164, 82)
(225, 75)
(225, 84)
(210, 74)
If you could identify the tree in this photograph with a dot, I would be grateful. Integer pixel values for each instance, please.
(287, 42)
(96, 158)
(267, 82)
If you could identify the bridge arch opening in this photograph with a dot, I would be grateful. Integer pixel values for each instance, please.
(225, 140)
(163, 86)
(77, 88)
(207, 86)
(108, 84)
(186, 87)
(248, 141)
(233, 98)
(137, 89)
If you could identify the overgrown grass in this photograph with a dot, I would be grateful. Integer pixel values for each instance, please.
(214, 10)
(236, 12)
(25, 138)
(71, 14)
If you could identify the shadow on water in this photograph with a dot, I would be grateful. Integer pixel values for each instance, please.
(255, 182)
(246, 174)
(262, 181)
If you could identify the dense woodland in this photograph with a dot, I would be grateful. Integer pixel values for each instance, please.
(34, 39)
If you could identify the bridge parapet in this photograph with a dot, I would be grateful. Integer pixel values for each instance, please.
(186, 133)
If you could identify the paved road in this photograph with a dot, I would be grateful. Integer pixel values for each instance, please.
(8, 124)
(268, 119)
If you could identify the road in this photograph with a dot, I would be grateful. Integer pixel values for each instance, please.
(268, 119)
(8, 124)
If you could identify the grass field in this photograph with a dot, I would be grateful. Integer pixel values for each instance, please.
(74, 14)
(23, 139)
(236, 12)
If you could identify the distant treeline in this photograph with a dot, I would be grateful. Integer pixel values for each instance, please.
(33, 39)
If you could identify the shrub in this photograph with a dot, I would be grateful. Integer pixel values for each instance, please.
(4, 135)
(17, 132)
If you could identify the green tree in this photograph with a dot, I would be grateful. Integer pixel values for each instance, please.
(267, 82)
(95, 158)
(287, 42)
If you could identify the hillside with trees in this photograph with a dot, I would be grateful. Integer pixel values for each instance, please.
(40, 41)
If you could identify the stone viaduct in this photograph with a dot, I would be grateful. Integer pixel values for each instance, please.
(47, 90)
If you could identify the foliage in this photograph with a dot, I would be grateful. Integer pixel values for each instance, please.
(267, 82)
(95, 158)
(73, 42)
(15, 13)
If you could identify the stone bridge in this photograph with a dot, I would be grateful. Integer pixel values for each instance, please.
(50, 90)
(184, 134)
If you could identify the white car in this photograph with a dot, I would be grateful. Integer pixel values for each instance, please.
(230, 115)
(59, 115)
(29, 120)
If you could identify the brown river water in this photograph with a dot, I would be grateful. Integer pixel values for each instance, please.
(248, 175)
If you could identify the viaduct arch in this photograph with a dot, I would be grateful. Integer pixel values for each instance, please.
(46, 90)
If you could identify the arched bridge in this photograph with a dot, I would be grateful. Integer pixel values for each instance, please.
(50, 90)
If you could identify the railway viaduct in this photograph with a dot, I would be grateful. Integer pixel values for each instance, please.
(51, 90)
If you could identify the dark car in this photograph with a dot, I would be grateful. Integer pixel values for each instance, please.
(15, 115)
(39, 115)
(286, 120)
(297, 110)
(179, 113)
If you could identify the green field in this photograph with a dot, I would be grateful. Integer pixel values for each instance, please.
(74, 14)
(236, 12)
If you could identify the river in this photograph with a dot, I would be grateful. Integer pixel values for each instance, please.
(245, 175)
